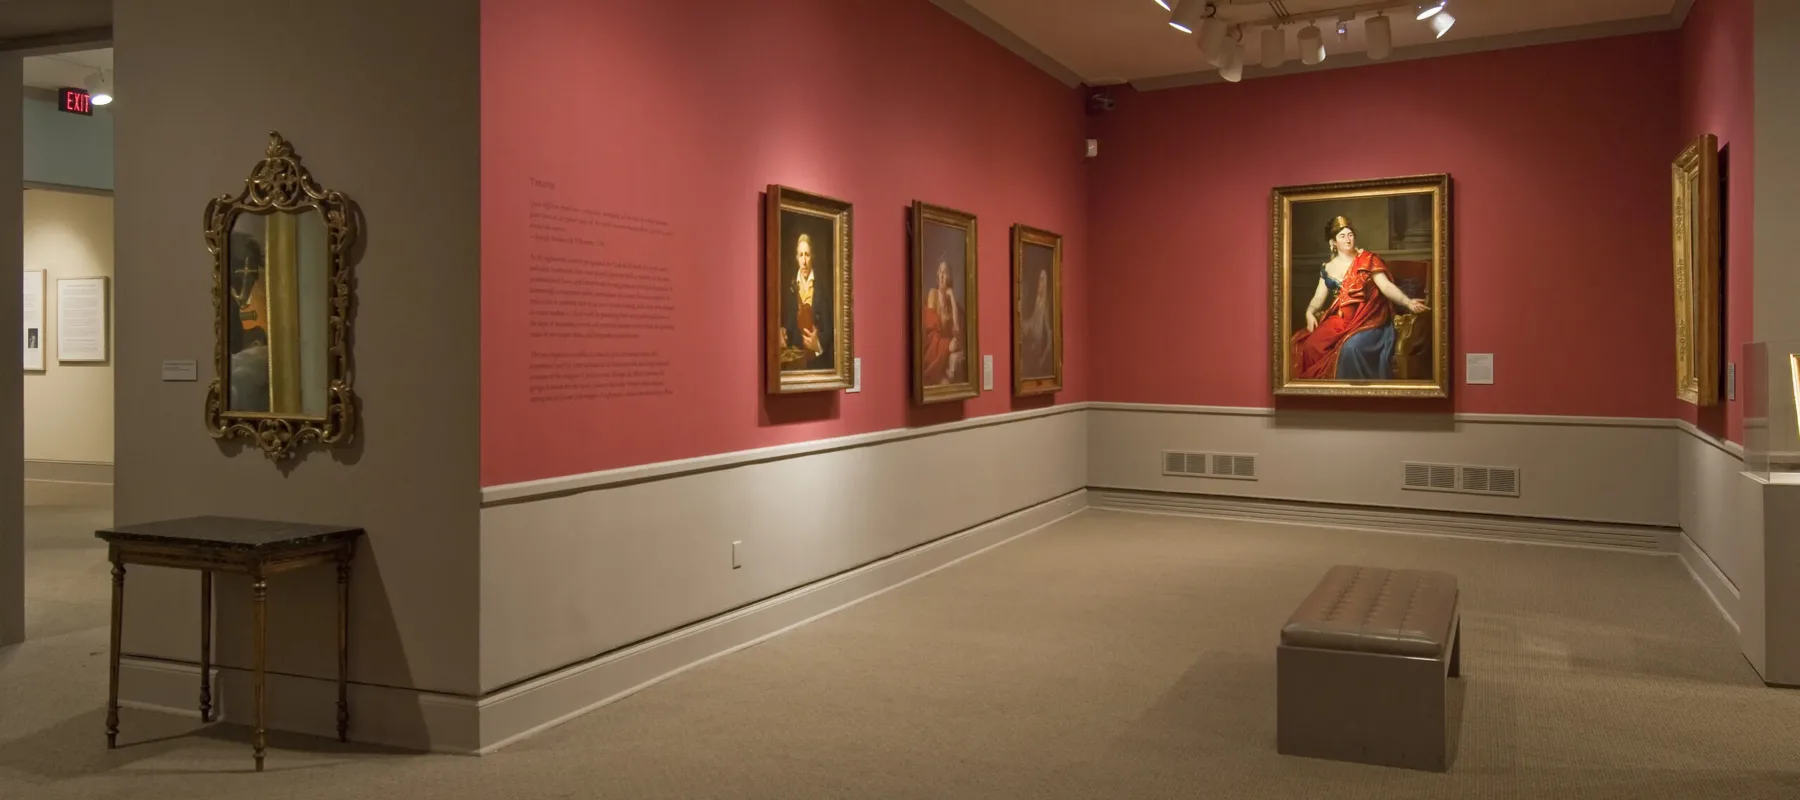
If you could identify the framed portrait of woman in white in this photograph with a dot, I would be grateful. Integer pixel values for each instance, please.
(1360, 275)
(806, 272)
(1037, 311)
(946, 304)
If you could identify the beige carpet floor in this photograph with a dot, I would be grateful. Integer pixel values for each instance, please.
(1108, 656)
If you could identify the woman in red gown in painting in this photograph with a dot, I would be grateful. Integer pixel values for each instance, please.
(1349, 322)
(942, 327)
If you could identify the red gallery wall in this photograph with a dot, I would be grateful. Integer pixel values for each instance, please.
(1560, 157)
(1718, 97)
(656, 126)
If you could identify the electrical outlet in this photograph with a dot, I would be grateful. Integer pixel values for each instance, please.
(735, 561)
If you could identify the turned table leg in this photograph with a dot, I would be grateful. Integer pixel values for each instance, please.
(206, 645)
(343, 648)
(260, 591)
(112, 664)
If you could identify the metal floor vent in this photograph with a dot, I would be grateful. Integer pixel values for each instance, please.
(1463, 478)
(1236, 466)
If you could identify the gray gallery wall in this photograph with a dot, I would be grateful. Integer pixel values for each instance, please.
(381, 100)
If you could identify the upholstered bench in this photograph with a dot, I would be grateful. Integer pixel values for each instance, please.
(1362, 668)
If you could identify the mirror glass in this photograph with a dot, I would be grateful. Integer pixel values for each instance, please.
(278, 267)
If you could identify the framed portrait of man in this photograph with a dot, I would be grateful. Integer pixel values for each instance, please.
(1360, 276)
(806, 270)
(1037, 311)
(945, 302)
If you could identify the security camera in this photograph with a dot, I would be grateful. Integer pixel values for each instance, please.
(1100, 103)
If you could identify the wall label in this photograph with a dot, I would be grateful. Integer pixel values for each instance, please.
(180, 371)
(1480, 368)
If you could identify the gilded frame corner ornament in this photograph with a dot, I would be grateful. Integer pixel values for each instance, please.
(1437, 295)
(839, 374)
(280, 183)
(1694, 196)
(970, 385)
(1024, 236)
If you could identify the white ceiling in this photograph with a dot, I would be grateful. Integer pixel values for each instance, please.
(1117, 41)
(65, 69)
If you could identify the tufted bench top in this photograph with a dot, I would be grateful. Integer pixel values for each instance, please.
(1369, 609)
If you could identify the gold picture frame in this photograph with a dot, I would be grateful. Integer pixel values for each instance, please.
(1694, 192)
(1399, 344)
(946, 305)
(1037, 311)
(293, 292)
(808, 236)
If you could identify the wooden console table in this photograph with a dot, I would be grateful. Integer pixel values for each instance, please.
(258, 548)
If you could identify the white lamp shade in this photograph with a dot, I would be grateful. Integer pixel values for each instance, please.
(1380, 35)
(1186, 13)
(1212, 41)
(1312, 45)
(1430, 8)
(1274, 48)
(1440, 24)
(1233, 68)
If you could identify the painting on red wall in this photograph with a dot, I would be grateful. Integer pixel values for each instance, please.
(1694, 192)
(1361, 274)
(1037, 311)
(944, 303)
(806, 271)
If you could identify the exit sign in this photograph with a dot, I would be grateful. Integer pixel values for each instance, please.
(76, 101)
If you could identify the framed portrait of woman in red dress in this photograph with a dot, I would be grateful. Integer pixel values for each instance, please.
(806, 273)
(945, 305)
(1360, 272)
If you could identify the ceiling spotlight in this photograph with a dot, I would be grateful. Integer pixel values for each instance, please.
(1440, 24)
(100, 88)
(1428, 10)
(1212, 40)
(1312, 45)
(1343, 30)
(1186, 13)
(1380, 33)
(1233, 69)
(1164, 4)
(1274, 48)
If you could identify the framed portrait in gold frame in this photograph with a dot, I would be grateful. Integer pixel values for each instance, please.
(1037, 300)
(1694, 191)
(1360, 288)
(806, 270)
(946, 305)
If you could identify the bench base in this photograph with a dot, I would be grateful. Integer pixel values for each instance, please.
(1370, 708)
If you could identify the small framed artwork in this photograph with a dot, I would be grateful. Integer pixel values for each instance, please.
(1694, 191)
(945, 303)
(1037, 296)
(81, 319)
(34, 320)
(1360, 288)
(806, 269)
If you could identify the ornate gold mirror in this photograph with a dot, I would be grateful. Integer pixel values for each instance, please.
(281, 302)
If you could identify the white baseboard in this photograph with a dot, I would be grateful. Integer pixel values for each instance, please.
(67, 493)
(530, 707)
(1723, 592)
(1394, 520)
(383, 715)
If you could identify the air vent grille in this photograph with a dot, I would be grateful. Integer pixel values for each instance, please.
(1236, 466)
(1467, 479)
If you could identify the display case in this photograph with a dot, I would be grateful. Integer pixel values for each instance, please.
(1769, 388)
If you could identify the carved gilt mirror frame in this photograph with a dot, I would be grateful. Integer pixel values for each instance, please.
(280, 187)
